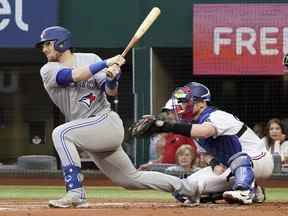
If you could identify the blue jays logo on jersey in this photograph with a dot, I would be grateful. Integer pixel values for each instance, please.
(88, 99)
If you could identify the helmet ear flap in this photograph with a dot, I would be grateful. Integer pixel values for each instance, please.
(61, 46)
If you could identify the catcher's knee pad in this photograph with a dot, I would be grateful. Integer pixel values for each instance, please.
(242, 169)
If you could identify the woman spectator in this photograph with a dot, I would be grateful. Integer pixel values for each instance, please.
(186, 160)
(276, 139)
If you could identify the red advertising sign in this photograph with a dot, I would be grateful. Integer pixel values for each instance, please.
(239, 39)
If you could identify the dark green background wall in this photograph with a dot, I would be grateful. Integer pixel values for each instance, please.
(112, 23)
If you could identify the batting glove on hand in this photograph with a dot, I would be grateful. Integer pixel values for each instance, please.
(113, 72)
(118, 60)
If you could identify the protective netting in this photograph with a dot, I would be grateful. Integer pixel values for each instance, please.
(251, 98)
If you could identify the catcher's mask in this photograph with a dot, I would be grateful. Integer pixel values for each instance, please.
(187, 96)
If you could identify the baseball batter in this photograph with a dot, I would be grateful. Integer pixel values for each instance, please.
(78, 83)
(238, 155)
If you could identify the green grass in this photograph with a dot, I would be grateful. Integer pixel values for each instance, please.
(21, 192)
(46, 192)
(277, 194)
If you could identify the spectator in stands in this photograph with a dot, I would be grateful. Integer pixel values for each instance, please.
(171, 142)
(186, 160)
(153, 147)
(276, 139)
(166, 147)
(157, 140)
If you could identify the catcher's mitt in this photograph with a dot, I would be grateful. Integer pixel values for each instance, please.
(143, 127)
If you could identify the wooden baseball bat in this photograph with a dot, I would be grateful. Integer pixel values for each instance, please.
(145, 25)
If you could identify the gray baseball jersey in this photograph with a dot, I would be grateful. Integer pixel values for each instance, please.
(79, 100)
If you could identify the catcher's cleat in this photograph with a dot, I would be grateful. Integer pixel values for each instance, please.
(185, 199)
(75, 198)
(211, 198)
(239, 196)
(260, 195)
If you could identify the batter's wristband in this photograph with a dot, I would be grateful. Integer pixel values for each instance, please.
(213, 163)
(94, 68)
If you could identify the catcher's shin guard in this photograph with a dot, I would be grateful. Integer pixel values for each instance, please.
(241, 168)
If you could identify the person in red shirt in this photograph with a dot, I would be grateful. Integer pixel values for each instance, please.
(171, 143)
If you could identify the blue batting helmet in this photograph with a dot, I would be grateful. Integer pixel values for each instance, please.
(61, 36)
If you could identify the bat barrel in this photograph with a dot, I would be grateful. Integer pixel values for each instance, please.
(145, 25)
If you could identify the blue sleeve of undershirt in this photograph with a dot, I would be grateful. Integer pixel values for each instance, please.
(64, 77)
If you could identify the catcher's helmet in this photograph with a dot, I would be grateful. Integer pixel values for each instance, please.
(189, 94)
(199, 91)
(192, 91)
(61, 36)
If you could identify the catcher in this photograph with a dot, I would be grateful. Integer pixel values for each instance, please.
(239, 156)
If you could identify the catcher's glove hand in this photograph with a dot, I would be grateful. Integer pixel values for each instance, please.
(143, 127)
(148, 125)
